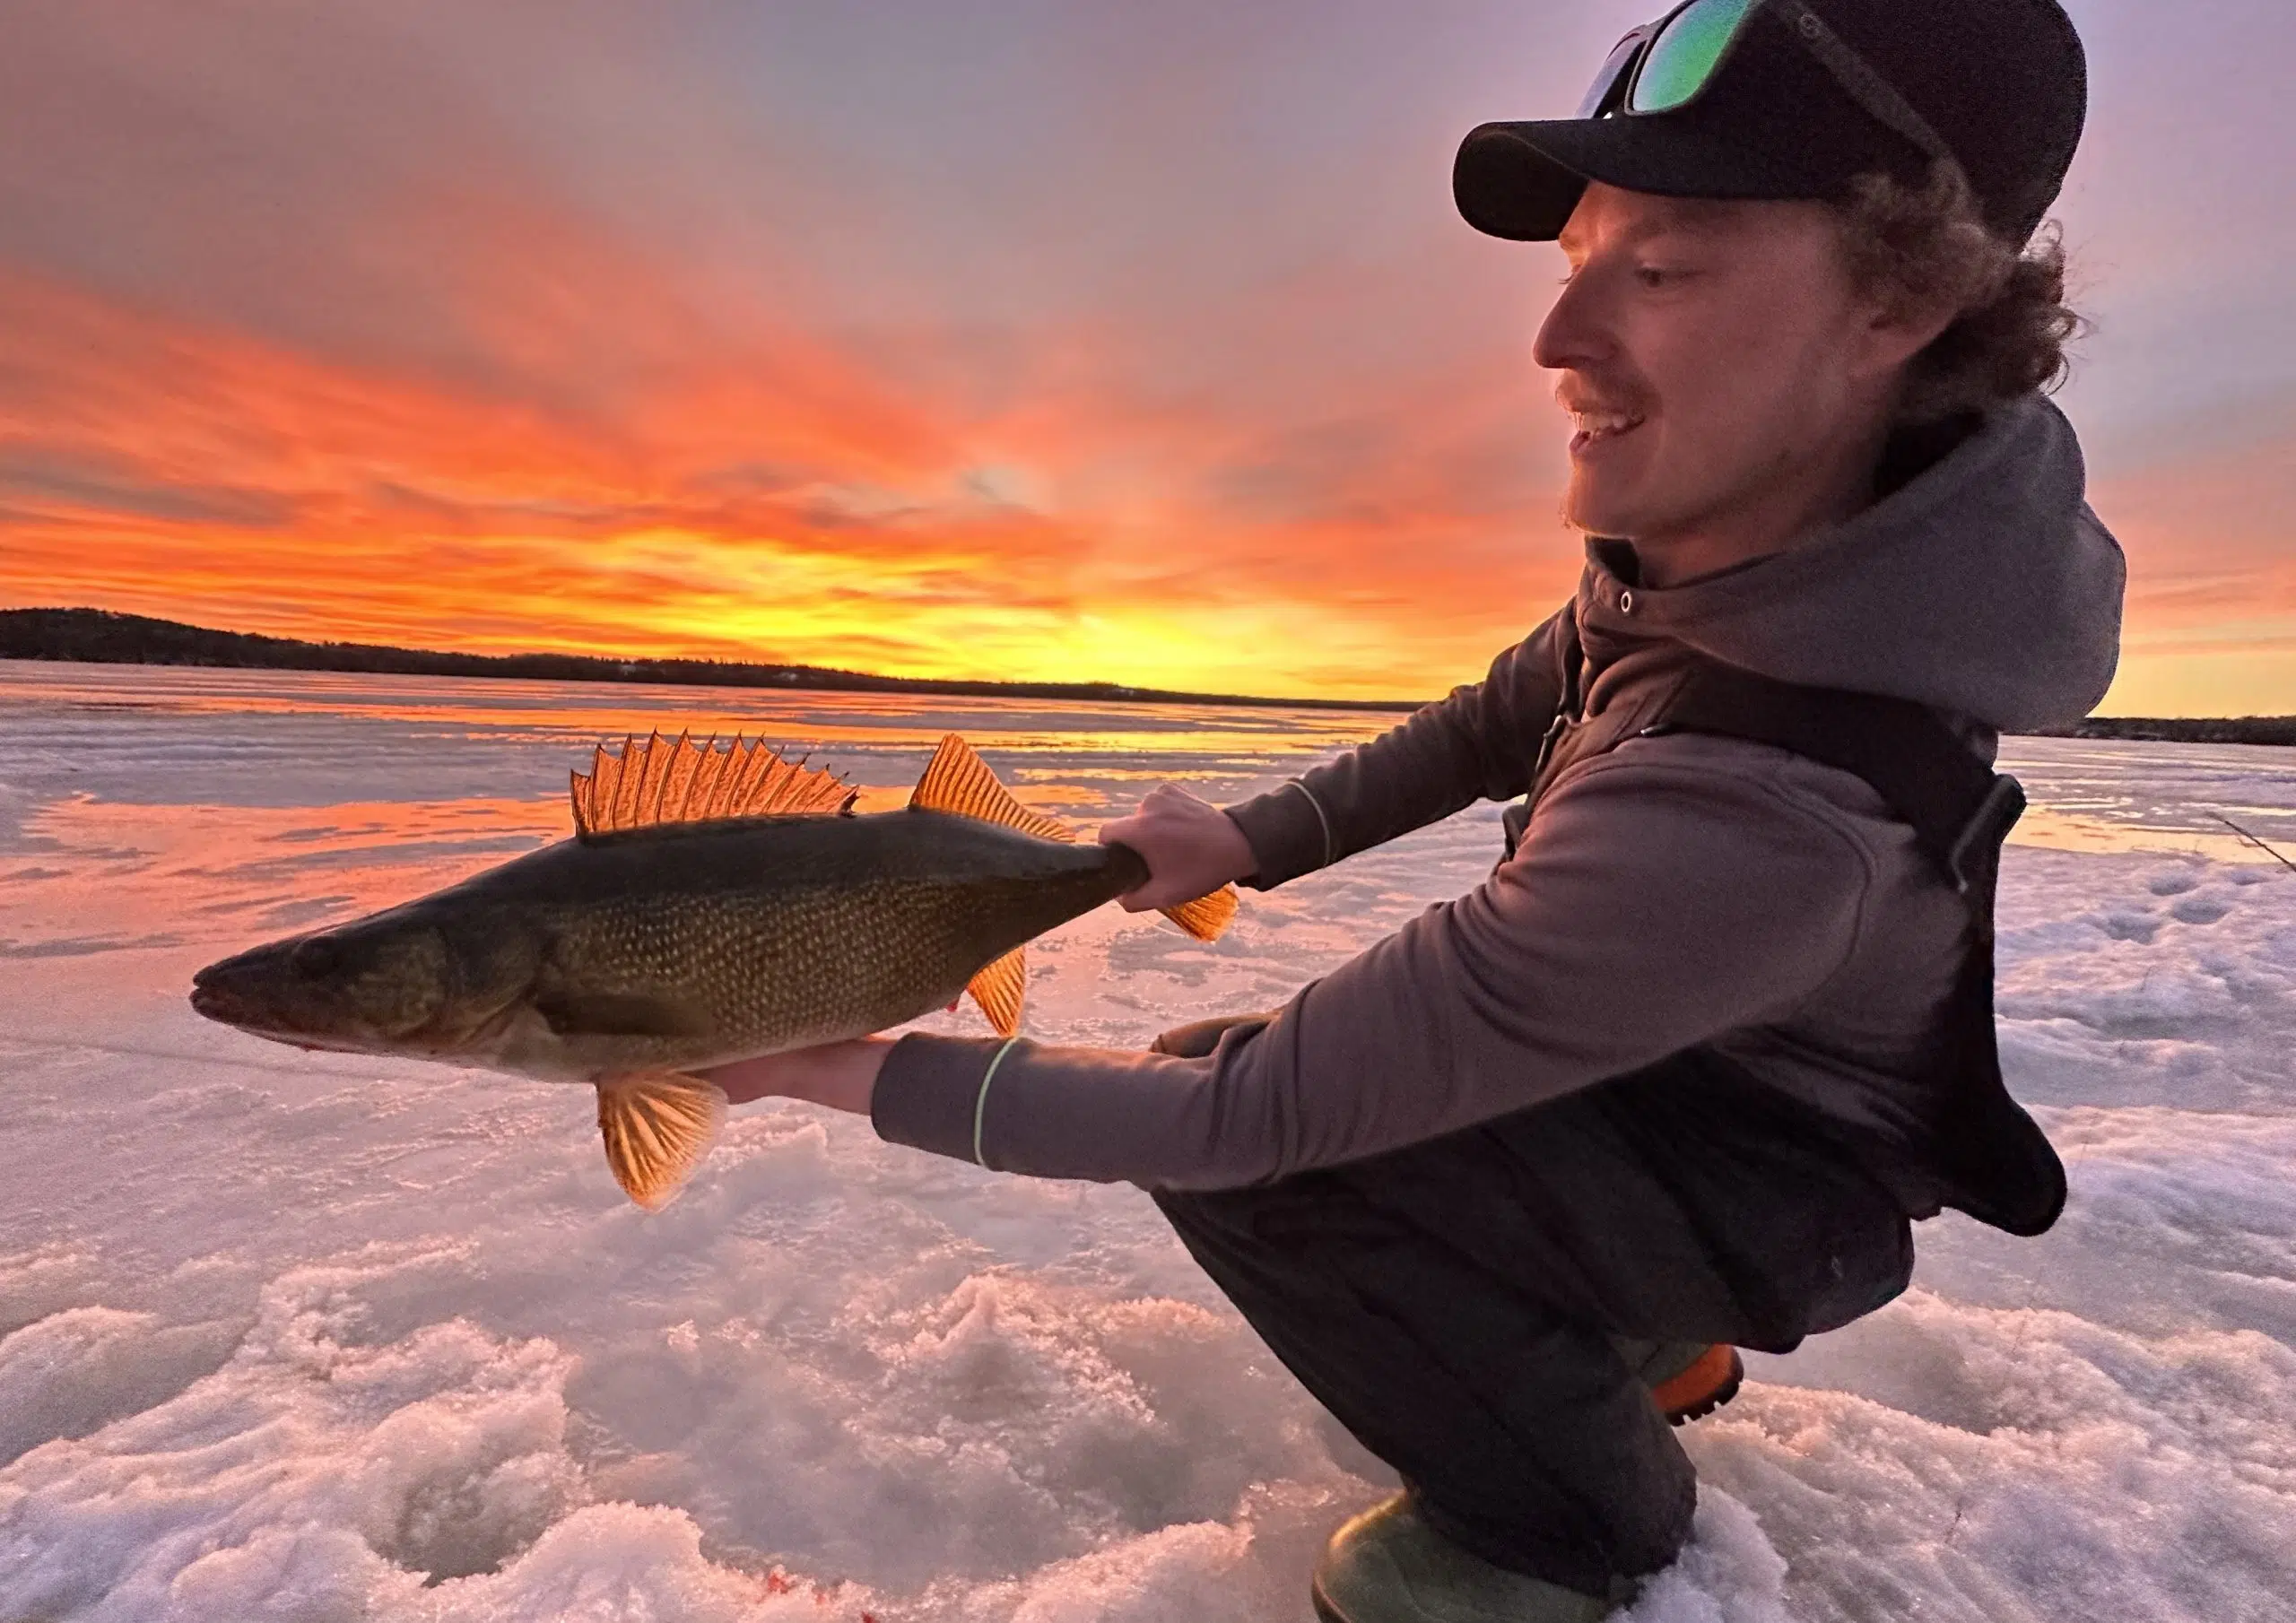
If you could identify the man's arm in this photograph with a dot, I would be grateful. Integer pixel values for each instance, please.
(1477, 744)
(1656, 904)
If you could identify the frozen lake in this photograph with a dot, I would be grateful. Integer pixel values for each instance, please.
(317, 1338)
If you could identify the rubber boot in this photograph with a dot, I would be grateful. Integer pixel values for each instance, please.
(1688, 1380)
(1388, 1565)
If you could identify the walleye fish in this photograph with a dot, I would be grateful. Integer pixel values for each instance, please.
(714, 904)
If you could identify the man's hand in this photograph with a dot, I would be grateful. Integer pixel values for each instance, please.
(840, 1076)
(1191, 847)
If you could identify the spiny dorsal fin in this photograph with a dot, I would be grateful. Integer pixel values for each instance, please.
(664, 781)
(999, 990)
(957, 782)
(656, 1129)
(1207, 916)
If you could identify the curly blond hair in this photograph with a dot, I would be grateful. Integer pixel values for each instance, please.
(1929, 243)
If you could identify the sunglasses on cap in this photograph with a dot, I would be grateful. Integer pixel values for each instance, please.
(1664, 66)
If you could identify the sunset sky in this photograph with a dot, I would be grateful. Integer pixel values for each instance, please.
(1070, 339)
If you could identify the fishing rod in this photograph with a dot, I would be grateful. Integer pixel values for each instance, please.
(2253, 840)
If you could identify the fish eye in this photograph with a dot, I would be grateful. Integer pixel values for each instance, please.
(319, 956)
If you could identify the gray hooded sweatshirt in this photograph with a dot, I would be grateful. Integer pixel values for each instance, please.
(1676, 890)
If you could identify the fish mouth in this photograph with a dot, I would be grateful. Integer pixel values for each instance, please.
(211, 997)
(216, 997)
(247, 994)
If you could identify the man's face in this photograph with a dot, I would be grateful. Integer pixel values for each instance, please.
(1716, 360)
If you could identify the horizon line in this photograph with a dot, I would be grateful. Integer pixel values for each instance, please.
(682, 670)
(669, 668)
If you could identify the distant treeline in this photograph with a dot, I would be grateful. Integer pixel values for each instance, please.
(100, 637)
(2185, 729)
(97, 636)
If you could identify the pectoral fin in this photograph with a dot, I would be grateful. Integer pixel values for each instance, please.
(999, 989)
(656, 1129)
(620, 1014)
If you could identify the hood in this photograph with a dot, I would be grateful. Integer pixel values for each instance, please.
(1983, 585)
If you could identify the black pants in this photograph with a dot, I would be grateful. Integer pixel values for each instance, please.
(1452, 1303)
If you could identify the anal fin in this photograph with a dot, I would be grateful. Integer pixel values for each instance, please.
(1000, 989)
(657, 1129)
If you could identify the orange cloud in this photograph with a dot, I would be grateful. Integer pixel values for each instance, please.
(756, 494)
(750, 494)
(1123, 342)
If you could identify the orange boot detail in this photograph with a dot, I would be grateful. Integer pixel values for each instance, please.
(1710, 1381)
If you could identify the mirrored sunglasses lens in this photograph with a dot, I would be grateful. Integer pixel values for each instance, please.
(1606, 80)
(1684, 55)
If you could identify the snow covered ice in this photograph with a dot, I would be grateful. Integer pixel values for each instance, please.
(313, 1337)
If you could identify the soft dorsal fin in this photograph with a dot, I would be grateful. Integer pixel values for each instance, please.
(663, 781)
(957, 782)
(656, 1129)
(1000, 988)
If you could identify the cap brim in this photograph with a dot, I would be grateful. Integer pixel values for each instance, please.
(1521, 181)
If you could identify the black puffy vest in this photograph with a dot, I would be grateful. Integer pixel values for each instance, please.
(1992, 1159)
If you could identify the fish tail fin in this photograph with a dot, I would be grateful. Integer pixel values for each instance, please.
(959, 782)
(1207, 916)
(657, 1129)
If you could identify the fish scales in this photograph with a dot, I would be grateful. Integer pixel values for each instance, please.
(823, 963)
(649, 947)
(744, 937)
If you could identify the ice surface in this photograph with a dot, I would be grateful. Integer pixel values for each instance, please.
(310, 1337)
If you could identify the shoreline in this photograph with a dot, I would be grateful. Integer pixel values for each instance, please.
(101, 637)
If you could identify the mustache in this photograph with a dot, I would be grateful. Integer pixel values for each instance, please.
(1575, 399)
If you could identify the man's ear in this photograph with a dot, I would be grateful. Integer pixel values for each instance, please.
(1901, 328)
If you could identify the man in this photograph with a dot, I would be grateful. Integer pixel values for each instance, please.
(1680, 1073)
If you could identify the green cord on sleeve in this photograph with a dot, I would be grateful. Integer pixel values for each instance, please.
(981, 1104)
(1331, 844)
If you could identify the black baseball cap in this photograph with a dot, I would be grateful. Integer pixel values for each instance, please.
(2003, 84)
